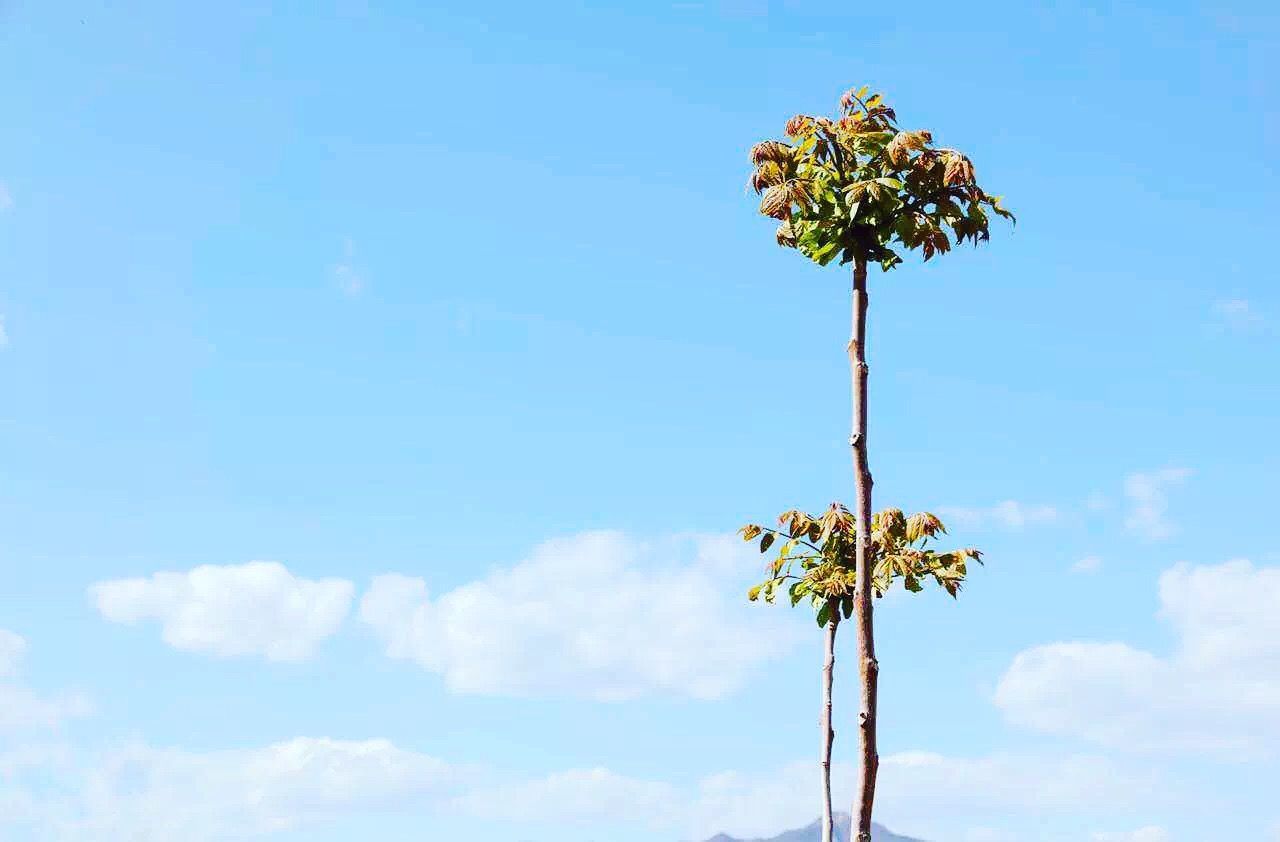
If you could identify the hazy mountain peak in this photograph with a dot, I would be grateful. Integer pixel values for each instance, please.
(813, 833)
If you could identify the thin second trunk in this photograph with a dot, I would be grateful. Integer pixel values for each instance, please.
(868, 669)
(828, 734)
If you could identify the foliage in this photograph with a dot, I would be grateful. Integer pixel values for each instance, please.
(815, 559)
(854, 186)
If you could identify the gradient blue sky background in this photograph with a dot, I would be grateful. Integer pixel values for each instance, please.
(396, 288)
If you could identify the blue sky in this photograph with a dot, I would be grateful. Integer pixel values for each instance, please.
(461, 319)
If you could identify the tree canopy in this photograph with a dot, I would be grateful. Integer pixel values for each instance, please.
(859, 187)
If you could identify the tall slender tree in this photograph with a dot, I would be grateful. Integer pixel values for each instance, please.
(858, 189)
(817, 560)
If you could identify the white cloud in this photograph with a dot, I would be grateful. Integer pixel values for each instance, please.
(1218, 691)
(6, 199)
(763, 804)
(1150, 833)
(1097, 502)
(1149, 501)
(1009, 781)
(972, 789)
(12, 648)
(1236, 313)
(4, 334)
(23, 709)
(1009, 514)
(580, 796)
(259, 608)
(989, 834)
(1088, 564)
(143, 793)
(139, 793)
(37, 755)
(597, 615)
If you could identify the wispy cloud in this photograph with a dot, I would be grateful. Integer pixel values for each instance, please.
(1236, 313)
(1088, 564)
(1151, 833)
(1097, 502)
(12, 648)
(23, 710)
(6, 198)
(349, 277)
(1148, 495)
(4, 334)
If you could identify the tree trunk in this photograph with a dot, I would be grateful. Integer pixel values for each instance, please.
(828, 735)
(868, 669)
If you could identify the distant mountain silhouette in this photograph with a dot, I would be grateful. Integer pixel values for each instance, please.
(813, 833)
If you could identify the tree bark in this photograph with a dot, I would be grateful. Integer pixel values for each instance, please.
(828, 734)
(868, 669)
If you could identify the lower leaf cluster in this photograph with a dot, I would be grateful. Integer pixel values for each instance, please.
(816, 558)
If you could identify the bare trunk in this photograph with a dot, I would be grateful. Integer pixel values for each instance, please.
(828, 735)
(868, 669)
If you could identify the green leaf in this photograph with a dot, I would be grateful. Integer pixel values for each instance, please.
(766, 542)
(856, 211)
(889, 261)
(824, 614)
(826, 253)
